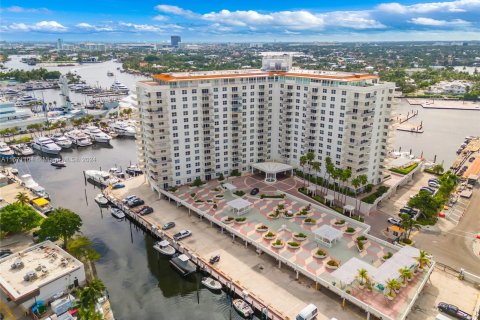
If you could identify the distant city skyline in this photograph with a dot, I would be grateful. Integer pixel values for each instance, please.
(265, 21)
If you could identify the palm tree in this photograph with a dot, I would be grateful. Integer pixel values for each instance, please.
(22, 198)
(356, 184)
(316, 169)
(437, 169)
(310, 157)
(337, 173)
(303, 162)
(328, 166)
(362, 276)
(409, 224)
(391, 286)
(423, 259)
(344, 177)
(406, 274)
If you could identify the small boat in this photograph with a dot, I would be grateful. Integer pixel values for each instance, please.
(110, 73)
(62, 141)
(101, 200)
(117, 172)
(5, 151)
(183, 265)
(59, 163)
(97, 135)
(40, 191)
(46, 145)
(243, 308)
(211, 284)
(133, 170)
(117, 213)
(22, 150)
(118, 186)
(164, 247)
(101, 177)
(79, 138)
(14, 171)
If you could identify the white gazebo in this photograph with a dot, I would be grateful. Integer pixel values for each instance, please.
(239, 206)
(271, 169)
(327, 235)
(329, 198)
(348, 209)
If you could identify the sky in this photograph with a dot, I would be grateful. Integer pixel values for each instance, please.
(239, 21)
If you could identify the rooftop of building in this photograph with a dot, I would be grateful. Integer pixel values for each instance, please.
(46, 260)
(245, 73)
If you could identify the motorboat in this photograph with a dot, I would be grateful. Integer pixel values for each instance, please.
(26, 101)
(164, 247)
(101, 177)
(133, 170)
(5, 151)
(97, 135)
(42, 205)
(59, 163)
(101, 200)
(79, 138)
(46, 145)
(14, 171)
(123, 129)
(212, 284)
(182, 264)
(22, 150)
(117, 213)
(110, 73)
(62, 141)
(27, 181)
(39, 191)
(117, 86)
(10, 92)
(117, 172)
(243, 308)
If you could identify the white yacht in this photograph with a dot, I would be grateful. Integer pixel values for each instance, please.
(62, 141)
(97, 135)
(22, 150)
(5, 151)
(25, 101)
(117, 86)
(123, 129)
(79, 138)
(101, 177)
(46, 145)
(164, 247)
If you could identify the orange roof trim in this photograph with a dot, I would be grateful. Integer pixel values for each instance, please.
(353, 77)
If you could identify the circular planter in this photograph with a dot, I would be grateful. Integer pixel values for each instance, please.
(219, 196)
(361, 286)
(339, 225)
(310, 223)
(293, 247)
(288, 217)
(224, 220)
(269, 237)
(319, 256)
(240, 222)
(274, 217)
(331, 267)
(299, 238)
(403, 284)
(262, 230)
(389, 297)
(301, 216)
(278, 246)
(350, 233)
(409, 279)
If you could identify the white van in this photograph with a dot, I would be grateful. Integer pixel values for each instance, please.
(308, 313)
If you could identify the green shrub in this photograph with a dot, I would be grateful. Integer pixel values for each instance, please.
(321, 252)
(387, 256)
(361, 238)
(332, 263)
(350, 230)
(339, 222)
(173, 189)
(197, 182)
(235, 173)
(300, 235)
(377, 194)
(193, 194)
(294, 244)
(240, 219)
(368, 188)
(239, 193)
(406, 170)
(221, 177)
(273, 196)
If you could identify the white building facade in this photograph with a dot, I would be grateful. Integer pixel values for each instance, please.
(203, 124)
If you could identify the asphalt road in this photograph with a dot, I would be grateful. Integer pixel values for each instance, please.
(454, 248)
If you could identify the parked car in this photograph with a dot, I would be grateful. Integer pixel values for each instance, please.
(427, 189)
(168, 225)
(434, 180)
(182, 234)
(145, 210)
(129, 198)
(5, 253)
(433, 184)
(395, 221)
(135, 202)
(408, 210)
(453, 311)
(471, 159)
(254, 191)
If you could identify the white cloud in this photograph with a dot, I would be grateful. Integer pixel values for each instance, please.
(175, 10)
(141, 27)
(42, 26)
(438, 23)
(447, 6)
(88, 26)
(18, 9)
(353, 20)
(49, 26)
(160, 18)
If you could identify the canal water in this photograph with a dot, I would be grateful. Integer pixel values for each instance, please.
(141, 283)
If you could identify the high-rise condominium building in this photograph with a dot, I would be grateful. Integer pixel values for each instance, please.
(60, 44)
(175, 41)
(202, 124)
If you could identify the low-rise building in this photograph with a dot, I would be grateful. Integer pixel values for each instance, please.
(39, 273)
